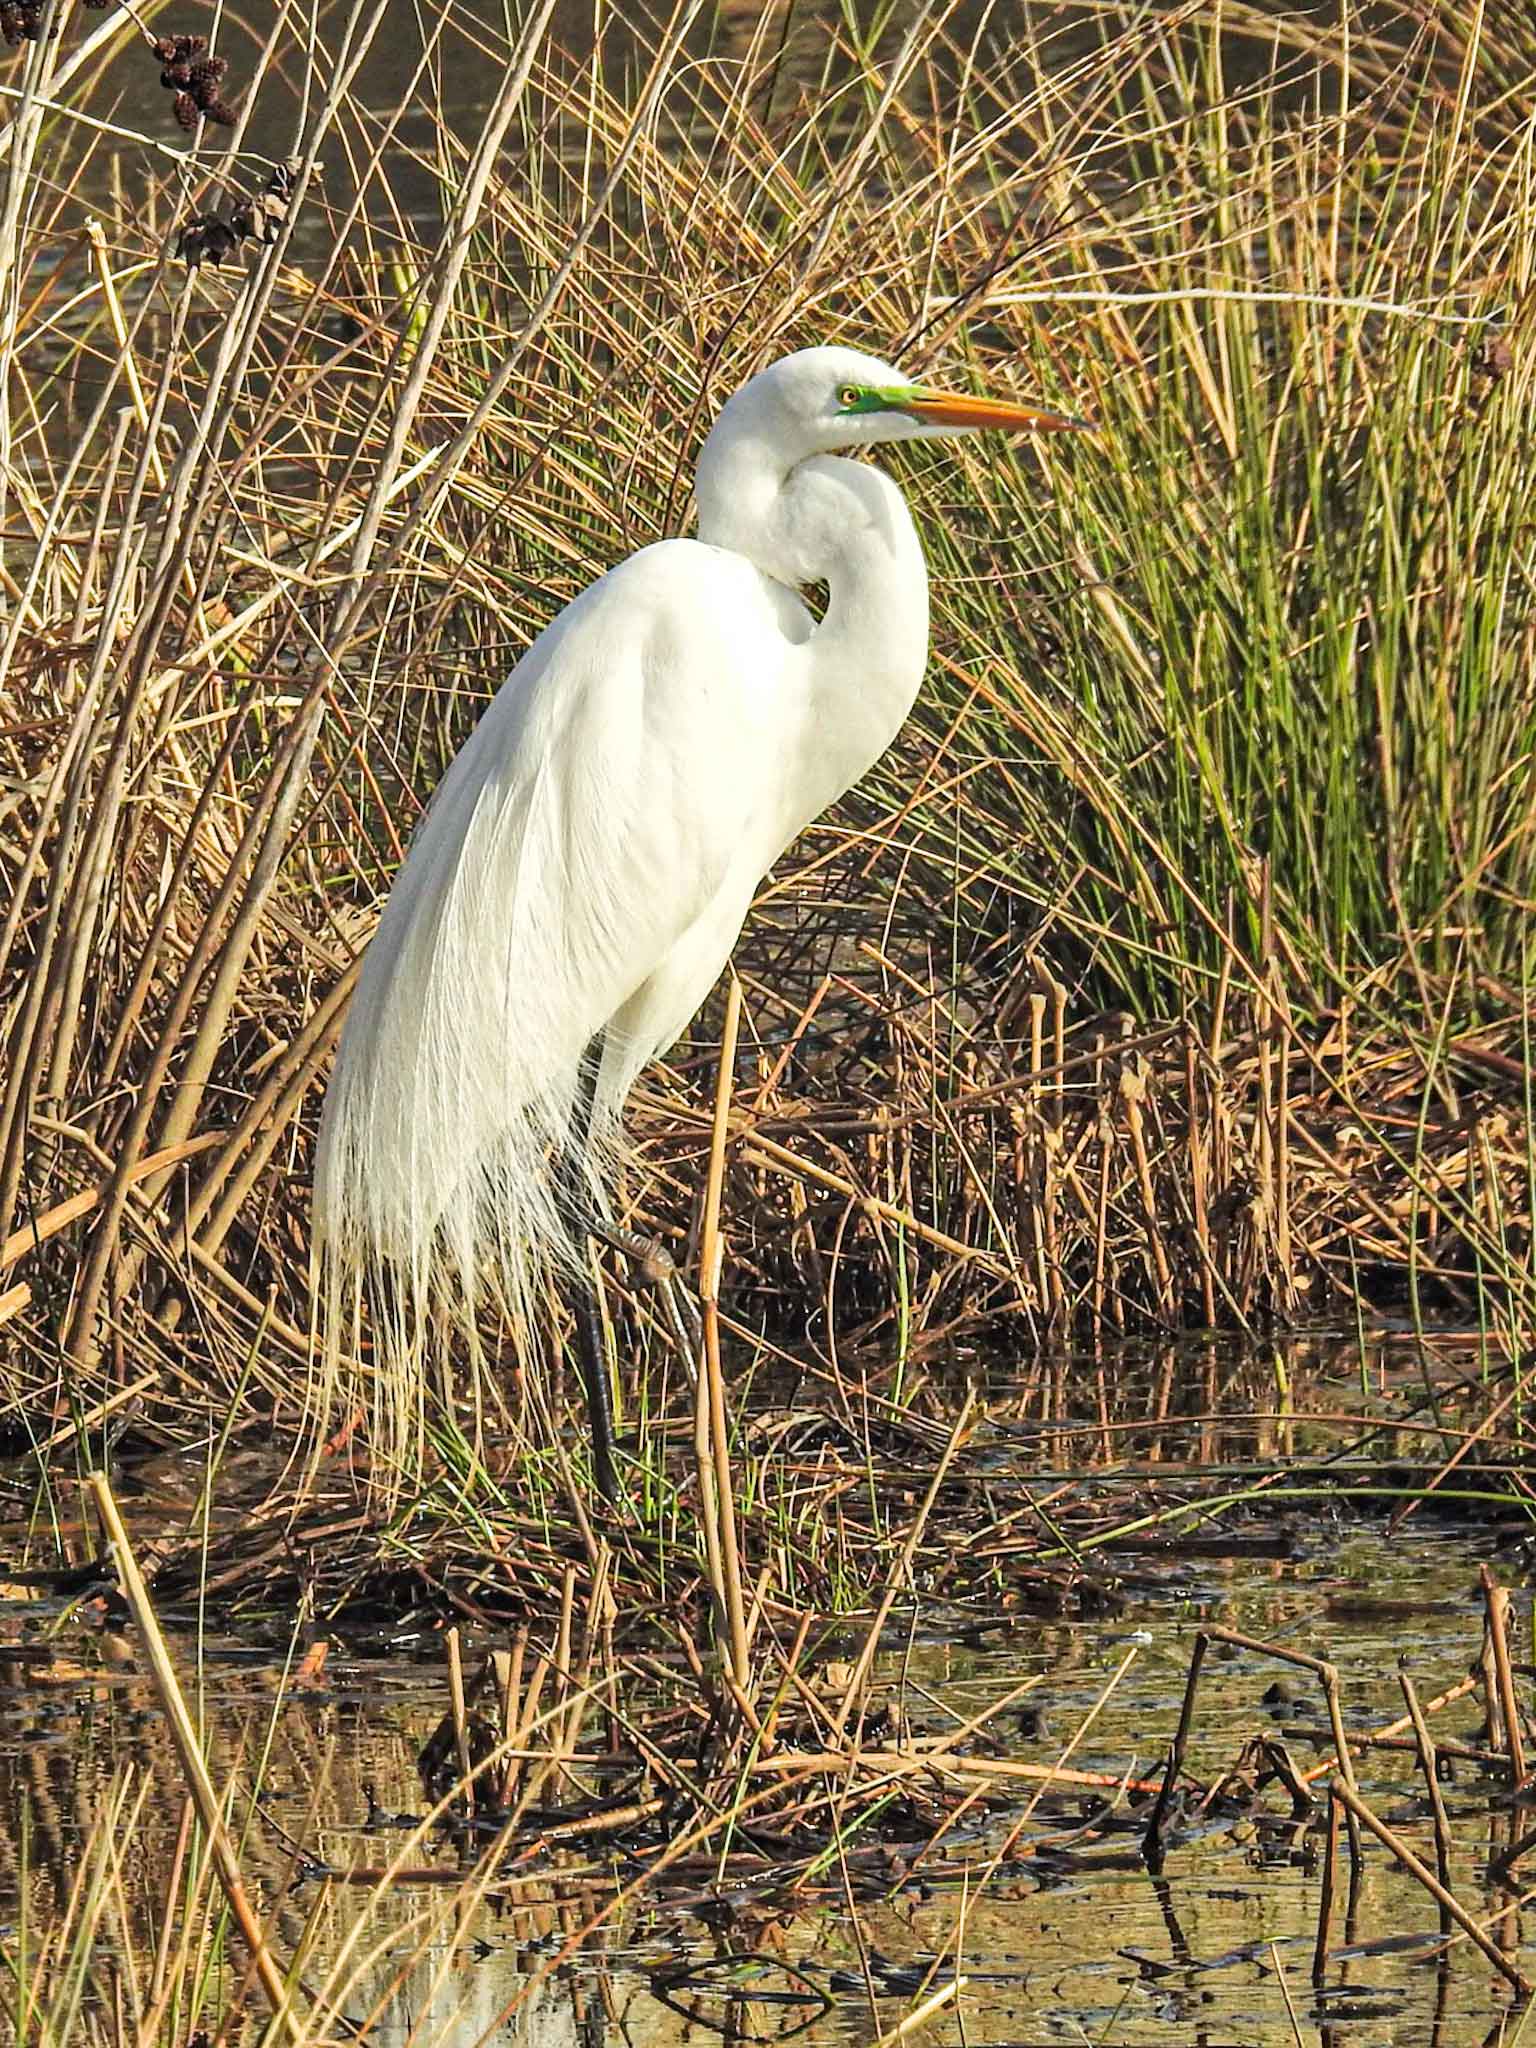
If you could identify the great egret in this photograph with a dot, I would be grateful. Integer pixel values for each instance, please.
(581, 876)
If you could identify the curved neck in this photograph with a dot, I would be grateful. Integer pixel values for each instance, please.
(845, 524)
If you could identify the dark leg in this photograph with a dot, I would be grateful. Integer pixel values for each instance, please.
(576, 1209)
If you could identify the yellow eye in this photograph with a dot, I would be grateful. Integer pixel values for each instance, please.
(849, 396)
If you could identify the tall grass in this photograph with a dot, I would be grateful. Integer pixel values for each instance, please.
(1227, 727)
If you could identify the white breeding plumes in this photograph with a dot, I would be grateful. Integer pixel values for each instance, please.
(577, 884)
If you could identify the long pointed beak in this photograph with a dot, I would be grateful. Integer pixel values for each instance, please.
(960, 409)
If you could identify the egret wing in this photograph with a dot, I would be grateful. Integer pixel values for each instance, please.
(616, 785)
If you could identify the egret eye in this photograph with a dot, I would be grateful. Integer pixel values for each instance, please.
(849, 396)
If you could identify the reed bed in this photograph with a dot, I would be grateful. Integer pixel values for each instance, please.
(576, 1784)
(1170, 973)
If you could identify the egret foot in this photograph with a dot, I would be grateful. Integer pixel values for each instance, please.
(656, 1266)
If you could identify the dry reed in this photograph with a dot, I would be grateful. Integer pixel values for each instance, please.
(1081, 1020)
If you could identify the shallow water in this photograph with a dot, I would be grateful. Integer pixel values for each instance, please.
(1083, 1944)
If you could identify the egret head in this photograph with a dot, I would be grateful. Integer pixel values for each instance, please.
(820, 400)
(766, 487)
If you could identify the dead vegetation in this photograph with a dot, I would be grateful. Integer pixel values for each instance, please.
(1170, 975)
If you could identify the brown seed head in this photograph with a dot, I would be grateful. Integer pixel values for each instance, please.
(205, 239)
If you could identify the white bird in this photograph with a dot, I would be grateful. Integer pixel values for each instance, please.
(581, 876)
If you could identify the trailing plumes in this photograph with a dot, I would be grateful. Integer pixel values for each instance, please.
(437, 1171)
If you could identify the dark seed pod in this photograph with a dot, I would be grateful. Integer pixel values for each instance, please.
(1496, 357)
(207, 70)
(261, 218)
(205, 239)
(184, 107)
(218, 110)
(175, 77)
(163, 49)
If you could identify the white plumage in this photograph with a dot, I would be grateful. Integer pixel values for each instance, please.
(586, 864)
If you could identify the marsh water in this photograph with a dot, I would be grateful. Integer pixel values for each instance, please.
(1070, 1938)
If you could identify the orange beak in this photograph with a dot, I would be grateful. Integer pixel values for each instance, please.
(959, 409)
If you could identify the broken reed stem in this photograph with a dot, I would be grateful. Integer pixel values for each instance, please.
(890, 1765)
(1285, 1993)
(508, 1666)
(1424, 1743)
(597, 1600)
(709, 1520)
(920, 2015)
(1493, 1698)
(1154, 1834)
(1325, 1893)
(1460, 1752)
(517, 1763)
(711, 1432)
(552, 1766)
(1402, 1725)
(1040, 1167)
(194, 1767)
(1195, 1143)
(1133, 1092)
(1327, 1677)
(1354, 1804)
(460, 1715)
(1056, 1117)
(1496, 1599)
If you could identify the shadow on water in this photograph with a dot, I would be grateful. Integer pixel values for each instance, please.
(1044, 1903)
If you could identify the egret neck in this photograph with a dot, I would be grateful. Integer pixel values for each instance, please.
(846, 525)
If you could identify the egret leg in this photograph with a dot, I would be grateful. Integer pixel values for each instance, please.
(576, 1207)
